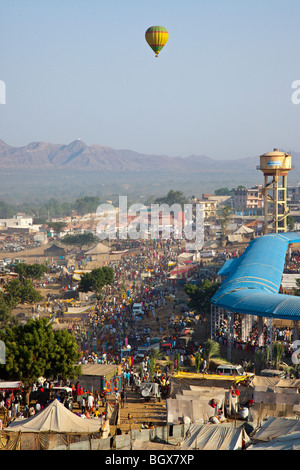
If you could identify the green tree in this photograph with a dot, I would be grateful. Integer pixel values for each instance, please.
(87, 204)
(52, 208)
(260, 360)
(197, 361)
(290, 223)
(224, 217)
(35, 349)
(154, 357)
(200, 297)
(80, 240)
(227, 192)
(20, 293)
(57, 226)
(177, 362)
(5, 312)
(95, 280)
(173, 197)
(222, 192)
(297, 289)
(33, 271)
(6, 210)
(211, 349)
(278, 350)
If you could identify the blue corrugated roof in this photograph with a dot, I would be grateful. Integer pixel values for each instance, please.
(253, 280)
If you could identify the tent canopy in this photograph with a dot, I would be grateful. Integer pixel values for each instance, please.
(215, 437)
(98, 249)
(55, 418)
(9, 385)
(274, 428)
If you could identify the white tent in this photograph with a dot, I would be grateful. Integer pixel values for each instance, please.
(215, 437)
(9, 385)
(289, 442)
(277, 434)
(186, 257)
(275, 382)
(274, 428)
(243, 230)
(55, 418)
(98, 249)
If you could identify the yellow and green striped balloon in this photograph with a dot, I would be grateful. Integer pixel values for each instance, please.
(156, 37)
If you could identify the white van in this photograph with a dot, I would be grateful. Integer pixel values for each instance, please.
(229, 369)
(137, 309)
(207, 254)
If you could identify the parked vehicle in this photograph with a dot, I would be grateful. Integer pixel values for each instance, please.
(137, 309)
(207, 254)
(150, 390)
(273, 373)
(64, 395)
(229, 369)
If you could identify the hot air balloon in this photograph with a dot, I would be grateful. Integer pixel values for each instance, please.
(156, 37)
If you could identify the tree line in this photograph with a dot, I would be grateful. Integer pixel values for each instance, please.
(50, 209)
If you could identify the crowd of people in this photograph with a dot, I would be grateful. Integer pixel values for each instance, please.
(113, 329)
(113, 334)
(292, 265)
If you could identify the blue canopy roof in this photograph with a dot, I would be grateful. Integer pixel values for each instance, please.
(253, 280)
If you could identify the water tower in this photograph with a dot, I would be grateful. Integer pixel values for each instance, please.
(275, 167)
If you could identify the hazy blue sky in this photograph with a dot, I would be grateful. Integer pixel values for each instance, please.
(221, 87)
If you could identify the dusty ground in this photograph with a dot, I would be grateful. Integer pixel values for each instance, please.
(137, 412)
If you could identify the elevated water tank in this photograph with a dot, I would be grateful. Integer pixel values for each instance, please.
(275, 162)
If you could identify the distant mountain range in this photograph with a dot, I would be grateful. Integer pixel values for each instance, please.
(88, 167)
(79, 156)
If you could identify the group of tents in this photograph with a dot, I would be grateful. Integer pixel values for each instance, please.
(272, 424)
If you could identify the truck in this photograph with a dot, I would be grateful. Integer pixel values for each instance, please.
(137, 309)
(207, 254)
(150, 390)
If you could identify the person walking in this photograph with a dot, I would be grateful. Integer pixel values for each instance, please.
(123, 398)
(90, 402)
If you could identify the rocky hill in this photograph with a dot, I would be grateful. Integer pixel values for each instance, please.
(42, 170)
(79, 156)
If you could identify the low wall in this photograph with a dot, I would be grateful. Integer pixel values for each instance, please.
(167, 434)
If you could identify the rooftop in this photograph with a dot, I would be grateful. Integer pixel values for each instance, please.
(253, 280)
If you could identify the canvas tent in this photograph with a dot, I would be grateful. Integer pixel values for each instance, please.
(275, 382)
(49, 428)
(290, 442)
(277, 434)
(55, 251)
(10, 385)
(185, 380)
(244, 230)
(274, 396)
(273, 428)
(99, 249)
(186, 256)
(99, 376)
(215, 437)
(195, 404)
